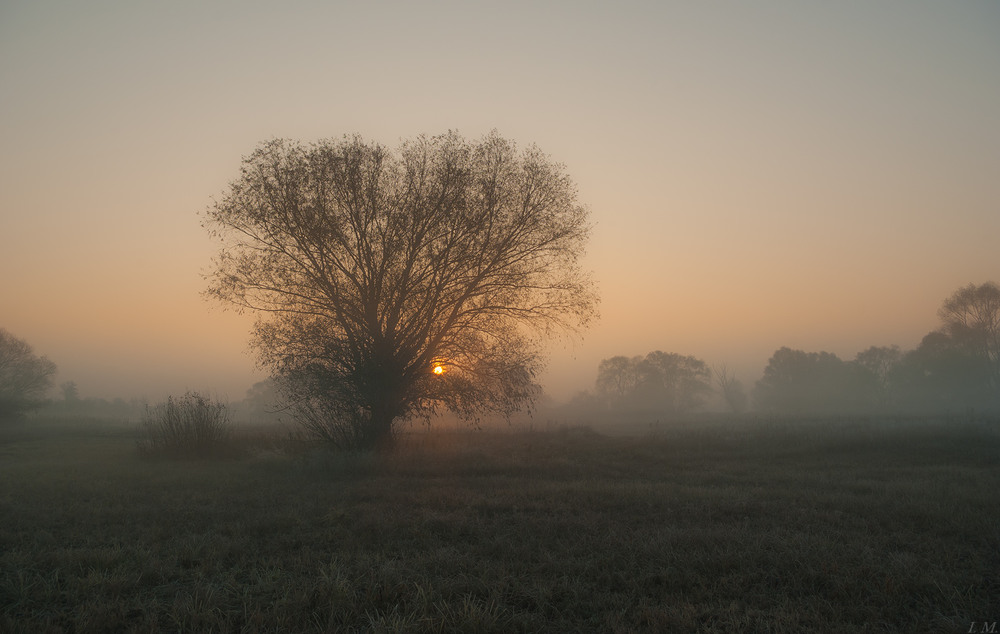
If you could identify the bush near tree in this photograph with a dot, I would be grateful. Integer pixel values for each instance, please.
(192, 425)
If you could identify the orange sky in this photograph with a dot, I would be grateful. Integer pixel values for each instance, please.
(781, 173)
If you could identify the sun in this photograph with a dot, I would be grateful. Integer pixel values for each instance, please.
(438, 370)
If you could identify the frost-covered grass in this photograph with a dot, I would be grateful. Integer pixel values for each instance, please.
(734, 526)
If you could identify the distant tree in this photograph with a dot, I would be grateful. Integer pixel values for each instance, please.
(971, 317)
(956, 367)
(731, 389)
(70, 393)
(801, 382)
(662, 381)
(389, 284)
(674, 382)
(24, 377)
(942, 375)
(263, 400)
(618, 378)
(263, 395)
(876, 366)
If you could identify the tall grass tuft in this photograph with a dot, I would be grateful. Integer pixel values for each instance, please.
(189, 426)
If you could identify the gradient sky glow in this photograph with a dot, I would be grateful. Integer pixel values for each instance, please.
(812, 175)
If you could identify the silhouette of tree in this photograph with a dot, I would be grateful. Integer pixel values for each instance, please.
(971, 317)
(877, 365)
(262, 401)
(618, 378)
(941, 375)
(674, 382)
(956, 367)
(731, 389)
(24, 377)
(799, 382)
(662, 381)
(389, 284)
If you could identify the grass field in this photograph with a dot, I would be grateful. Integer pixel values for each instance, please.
(728, 526)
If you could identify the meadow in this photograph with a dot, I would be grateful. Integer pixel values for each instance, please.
(715, 525)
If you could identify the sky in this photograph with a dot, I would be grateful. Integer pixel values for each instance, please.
(813, 175)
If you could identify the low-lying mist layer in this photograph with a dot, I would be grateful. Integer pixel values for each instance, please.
(739, 525)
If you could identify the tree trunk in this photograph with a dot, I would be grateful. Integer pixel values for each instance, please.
(379, 432)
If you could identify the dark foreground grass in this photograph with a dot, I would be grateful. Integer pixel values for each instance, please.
(841, 527)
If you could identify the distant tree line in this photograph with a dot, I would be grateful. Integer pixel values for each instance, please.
(955, 368)
(26, 380)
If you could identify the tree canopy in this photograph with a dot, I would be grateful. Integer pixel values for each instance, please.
(802, 382)
(971, 316)
(391, 283)
(24, 377)
(661, 381)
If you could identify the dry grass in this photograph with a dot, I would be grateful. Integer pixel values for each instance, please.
(859, 526)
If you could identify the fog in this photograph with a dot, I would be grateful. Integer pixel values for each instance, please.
(781, 175)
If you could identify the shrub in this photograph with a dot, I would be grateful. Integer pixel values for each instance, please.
(190, 426)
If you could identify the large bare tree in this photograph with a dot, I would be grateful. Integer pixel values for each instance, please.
(392, 283)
